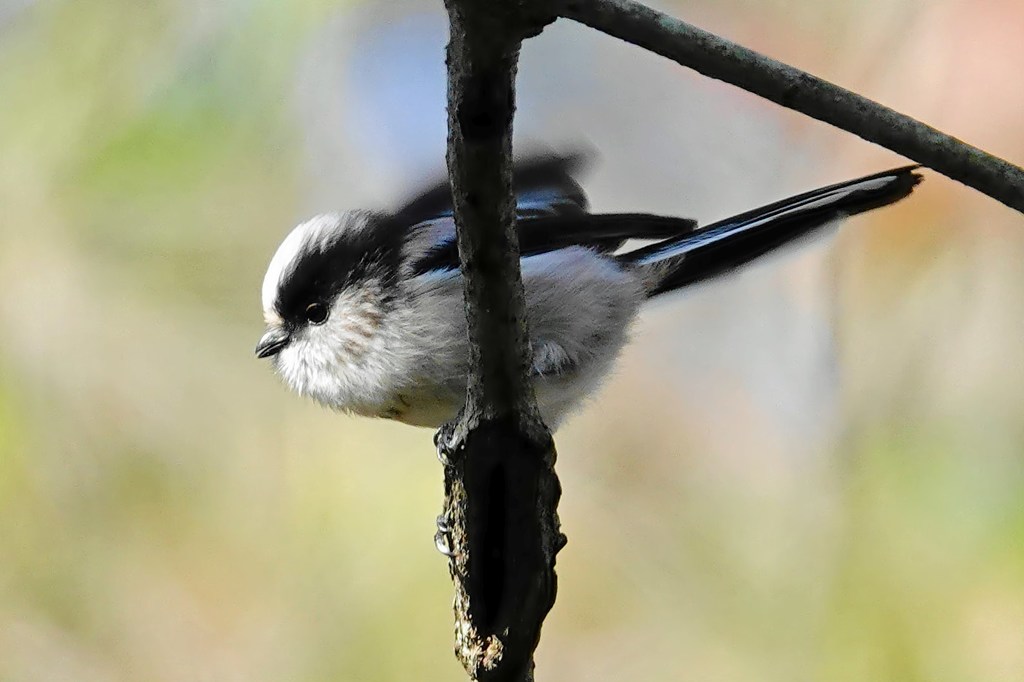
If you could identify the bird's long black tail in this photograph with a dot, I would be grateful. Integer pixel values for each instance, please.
(728, 244)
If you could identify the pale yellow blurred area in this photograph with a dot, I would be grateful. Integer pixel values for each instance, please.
(810, 471)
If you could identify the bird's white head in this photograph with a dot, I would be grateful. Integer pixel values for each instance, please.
(325, 297)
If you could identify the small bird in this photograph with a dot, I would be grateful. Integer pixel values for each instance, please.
(364, 309)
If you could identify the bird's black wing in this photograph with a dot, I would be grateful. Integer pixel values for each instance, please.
(551, 213)
(603, 232)
(543, 185)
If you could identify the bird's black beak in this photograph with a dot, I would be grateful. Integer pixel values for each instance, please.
(272, 342)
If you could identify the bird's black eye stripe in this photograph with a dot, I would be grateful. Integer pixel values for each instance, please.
(316, 313)
(364, 251)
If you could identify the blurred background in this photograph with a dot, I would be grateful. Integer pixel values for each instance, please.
(813, 470)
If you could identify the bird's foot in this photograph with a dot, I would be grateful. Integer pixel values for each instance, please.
(443, 441)
(442, 538)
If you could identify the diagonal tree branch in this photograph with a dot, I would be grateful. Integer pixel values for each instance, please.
(718, 58)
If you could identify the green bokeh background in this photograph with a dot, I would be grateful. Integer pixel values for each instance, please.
(169, 512)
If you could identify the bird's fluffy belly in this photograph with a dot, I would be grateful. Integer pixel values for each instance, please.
(577, 326)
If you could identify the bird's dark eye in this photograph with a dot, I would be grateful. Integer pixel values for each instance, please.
(316, 313)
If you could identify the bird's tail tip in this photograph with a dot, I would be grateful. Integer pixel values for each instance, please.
(731, 243)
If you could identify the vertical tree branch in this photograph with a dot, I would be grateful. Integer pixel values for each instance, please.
(501, 492)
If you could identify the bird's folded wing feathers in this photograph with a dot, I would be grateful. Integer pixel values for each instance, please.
(550, 214)
(543, 185)
(605, 233)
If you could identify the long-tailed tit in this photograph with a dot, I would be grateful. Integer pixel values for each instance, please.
(365, 309)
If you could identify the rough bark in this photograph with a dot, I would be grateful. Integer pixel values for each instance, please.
(500, 524)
